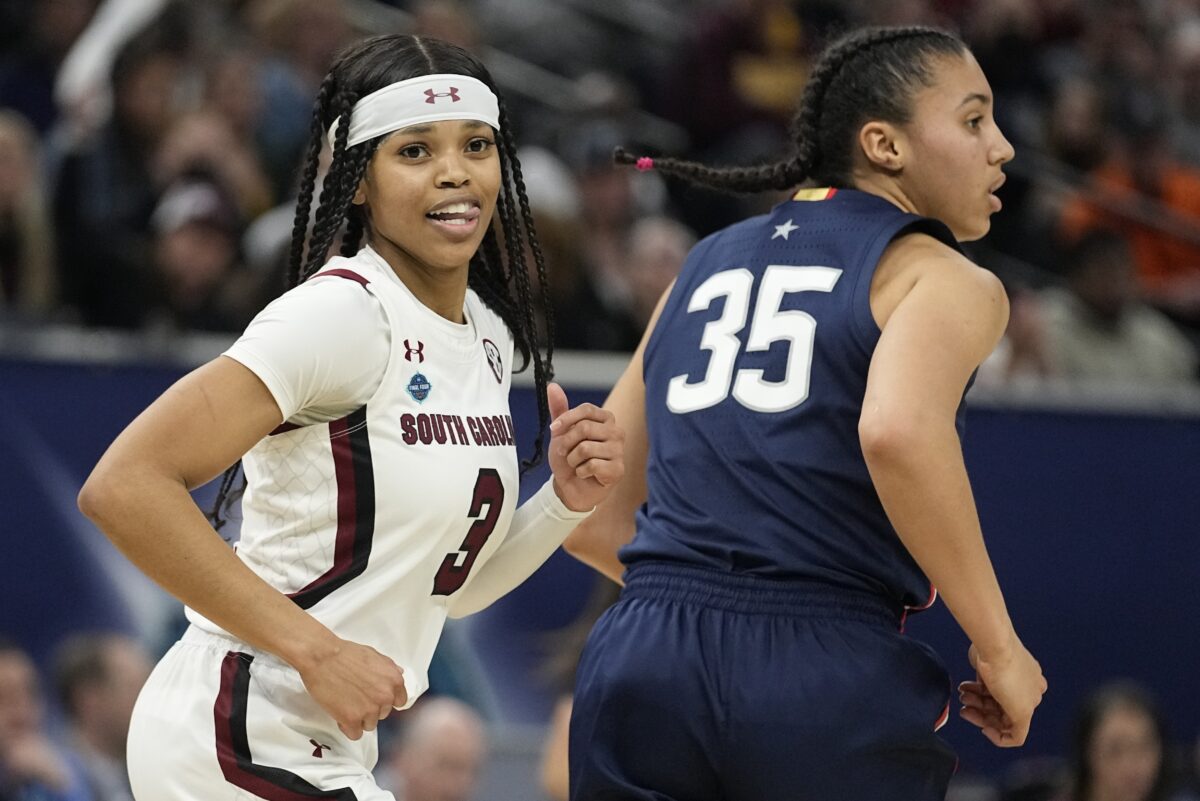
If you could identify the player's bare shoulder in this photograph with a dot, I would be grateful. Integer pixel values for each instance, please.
(920, 258)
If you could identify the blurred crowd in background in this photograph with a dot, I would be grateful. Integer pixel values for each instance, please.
(149, 152)
(149, 156)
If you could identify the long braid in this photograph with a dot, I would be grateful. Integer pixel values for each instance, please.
(308, 181)
(328, 219)
(818, 149)
(535, 246)
(337, 205)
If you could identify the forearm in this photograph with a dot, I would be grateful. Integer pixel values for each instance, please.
(538, 527)
(922, 483)
(595, 541)
(155, 523)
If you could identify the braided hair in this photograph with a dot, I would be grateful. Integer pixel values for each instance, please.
(498, 271)
(869, 74)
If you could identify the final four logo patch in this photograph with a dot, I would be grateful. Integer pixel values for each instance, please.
(418, 387)
(493, 357)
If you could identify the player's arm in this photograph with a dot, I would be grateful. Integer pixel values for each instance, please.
(937, 334)
(595, 541)
(138, 494)
(586, 456)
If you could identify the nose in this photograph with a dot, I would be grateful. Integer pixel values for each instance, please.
(1002, 151)
(451, 171)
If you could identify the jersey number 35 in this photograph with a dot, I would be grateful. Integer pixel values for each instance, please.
(769, 324)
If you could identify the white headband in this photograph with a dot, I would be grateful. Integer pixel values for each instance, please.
(428, 98)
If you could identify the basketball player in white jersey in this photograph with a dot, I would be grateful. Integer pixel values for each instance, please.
(369, 408)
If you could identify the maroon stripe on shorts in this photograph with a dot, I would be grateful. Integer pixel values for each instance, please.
(233, 743)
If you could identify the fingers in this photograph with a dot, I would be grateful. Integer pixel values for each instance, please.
(556, 397)
(571, 417)
(352, 732)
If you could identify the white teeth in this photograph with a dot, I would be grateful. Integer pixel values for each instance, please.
(454, 208)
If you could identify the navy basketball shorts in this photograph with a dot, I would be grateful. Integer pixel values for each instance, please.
(699, 685)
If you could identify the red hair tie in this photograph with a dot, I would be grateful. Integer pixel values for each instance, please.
(645, 163)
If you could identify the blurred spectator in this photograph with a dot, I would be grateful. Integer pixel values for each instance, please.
(27, 269)
(201, 284)
(739, 78)
(301, 38)
(657, 249)
(27, 76)
(1120, 748)
(106, 191)
(1021, 357)
(98, 678)
(82, 89)
(204, 141)
(31, 767)
(448, 20)
(439, 753)
(1075, 129)
(608, 207)
(1098, 329)
(1165, 239)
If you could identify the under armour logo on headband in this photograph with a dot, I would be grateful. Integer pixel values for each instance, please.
(432, 96)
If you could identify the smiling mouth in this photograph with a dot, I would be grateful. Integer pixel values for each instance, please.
(460, 213)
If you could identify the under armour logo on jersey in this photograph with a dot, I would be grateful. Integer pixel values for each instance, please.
(418, 351)
(319, 749)
(432, 96)
(493, 358)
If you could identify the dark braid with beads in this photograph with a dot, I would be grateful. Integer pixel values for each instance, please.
(870, 74)
(498, 271)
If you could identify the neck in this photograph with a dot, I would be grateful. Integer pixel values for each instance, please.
(886, 188)
(442, 291)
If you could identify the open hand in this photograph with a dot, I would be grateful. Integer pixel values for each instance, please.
(587, 451)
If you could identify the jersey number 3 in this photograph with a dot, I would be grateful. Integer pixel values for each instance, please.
(489, 491)
(769, 324)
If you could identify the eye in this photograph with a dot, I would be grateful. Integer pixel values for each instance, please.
(413, 151)
(975, 122)
(479, 145)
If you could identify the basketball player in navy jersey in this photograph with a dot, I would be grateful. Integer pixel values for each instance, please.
(793, 419)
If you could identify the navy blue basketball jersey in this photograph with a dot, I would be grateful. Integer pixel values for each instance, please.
(755, 376)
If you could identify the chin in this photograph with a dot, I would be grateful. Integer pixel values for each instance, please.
(972, 231)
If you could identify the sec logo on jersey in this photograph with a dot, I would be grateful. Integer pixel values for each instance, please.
(493, 358)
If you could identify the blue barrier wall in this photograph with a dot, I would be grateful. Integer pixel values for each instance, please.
(1092, 518)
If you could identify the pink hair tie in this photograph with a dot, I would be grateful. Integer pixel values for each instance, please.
(645, 163)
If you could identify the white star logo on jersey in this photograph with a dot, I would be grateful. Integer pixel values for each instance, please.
(784, 230)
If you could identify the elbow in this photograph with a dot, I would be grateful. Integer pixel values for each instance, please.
(101, 495)
(95, 496)
(887, 437)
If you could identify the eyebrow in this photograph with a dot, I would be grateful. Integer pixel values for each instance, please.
(982, 98)
(424, 129)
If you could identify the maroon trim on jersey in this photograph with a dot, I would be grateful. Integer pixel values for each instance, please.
(355, 477)
(341, 273)
(233, 744)
(283, 428)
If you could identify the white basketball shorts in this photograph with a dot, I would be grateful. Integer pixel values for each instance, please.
(219, 721)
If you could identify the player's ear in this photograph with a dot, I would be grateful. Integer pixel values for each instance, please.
(883, 144)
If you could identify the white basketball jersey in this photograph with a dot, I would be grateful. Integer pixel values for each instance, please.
(373, 521)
